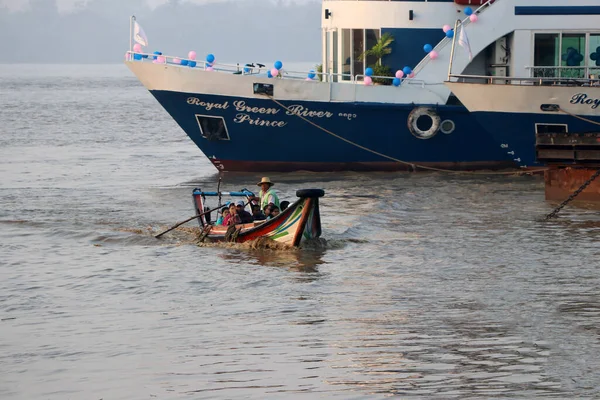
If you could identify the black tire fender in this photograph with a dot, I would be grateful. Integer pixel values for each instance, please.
(414, 128)
(310, 193)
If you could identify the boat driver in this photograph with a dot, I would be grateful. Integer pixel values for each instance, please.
(267, 195)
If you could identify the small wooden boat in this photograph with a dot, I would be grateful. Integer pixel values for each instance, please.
(298, 222)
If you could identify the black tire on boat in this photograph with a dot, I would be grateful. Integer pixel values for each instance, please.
(310, 193)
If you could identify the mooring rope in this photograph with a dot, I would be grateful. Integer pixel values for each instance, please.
(413, 165)
(578, 116)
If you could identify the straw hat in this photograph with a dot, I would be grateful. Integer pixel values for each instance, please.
(265, 180)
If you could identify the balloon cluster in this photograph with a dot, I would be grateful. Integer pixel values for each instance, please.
(158, 58)
(210, 62)
(275, 70)
(573, 57)
(137, 48)
(471, 14)
(429, 50)
(192, 59)
(368, 81)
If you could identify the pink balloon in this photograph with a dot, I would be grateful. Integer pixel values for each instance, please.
(399, 74)
(137, 48)
(274, 71)
(473, 18)
(192, 55)
(160, 60)
(411, 75)
(308, 79)
(210, 69)
(126, 56)
(433, 54)
(368, 81)
(446, 28)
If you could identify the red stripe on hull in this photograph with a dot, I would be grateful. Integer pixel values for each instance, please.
(284, 166)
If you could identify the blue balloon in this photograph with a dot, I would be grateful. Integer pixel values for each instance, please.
(278, 64)
(369, 71)
(144, 55)
(156, 54)
(312, 74)
(184, 62)
(468, 11)
(407, 70)
(137, 56)
(192, 64)
(450, 34)
(247, 70)
(269, 75)
(427, 48)
(396, 82)
(210, 58)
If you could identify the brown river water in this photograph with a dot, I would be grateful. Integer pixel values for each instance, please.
(424, 286)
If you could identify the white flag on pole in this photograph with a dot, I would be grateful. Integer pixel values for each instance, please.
(463, 41)
(139, 35)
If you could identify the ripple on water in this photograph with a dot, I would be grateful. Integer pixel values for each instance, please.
(424, 285)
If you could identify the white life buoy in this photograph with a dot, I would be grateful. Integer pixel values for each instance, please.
(413, 118)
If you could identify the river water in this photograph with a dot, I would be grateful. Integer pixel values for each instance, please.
(426, 286)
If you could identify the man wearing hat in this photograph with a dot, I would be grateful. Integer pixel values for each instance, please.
(267, 195)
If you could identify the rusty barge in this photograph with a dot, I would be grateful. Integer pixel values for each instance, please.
(572, 160)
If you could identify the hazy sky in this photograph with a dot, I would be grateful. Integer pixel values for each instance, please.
(97, 31)
(68, 5)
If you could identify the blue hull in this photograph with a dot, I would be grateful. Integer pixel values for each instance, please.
(261, 136)
(515, 132)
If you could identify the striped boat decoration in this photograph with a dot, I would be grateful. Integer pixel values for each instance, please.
(300, 221)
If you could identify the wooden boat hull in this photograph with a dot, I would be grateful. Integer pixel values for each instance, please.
(300, 221)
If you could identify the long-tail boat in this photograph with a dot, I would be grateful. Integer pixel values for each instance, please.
(300, 221)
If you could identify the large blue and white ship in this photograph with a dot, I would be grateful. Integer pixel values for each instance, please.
(552, 87)
(249, 118)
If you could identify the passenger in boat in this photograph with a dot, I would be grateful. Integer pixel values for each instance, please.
(257, 214)
(232, 218)
(267, 194)
(284, 204)
(245, 216)
(274, 211)
(224, 213)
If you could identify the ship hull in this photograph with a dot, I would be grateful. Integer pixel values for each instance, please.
(514, 114)
(304, 126)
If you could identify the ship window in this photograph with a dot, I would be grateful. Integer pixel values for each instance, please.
(572, 55)
(372, 36)
(566, 55)
(346, 54)
(358, 47)
(546, 50)
(551, 128)
(212, 128)
(594, 56)
(335, 55)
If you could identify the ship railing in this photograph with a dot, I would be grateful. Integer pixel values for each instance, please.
(445, 41)
(404, 81)
(527, 81)
(328, 77)
(564, 72)
(245, 69)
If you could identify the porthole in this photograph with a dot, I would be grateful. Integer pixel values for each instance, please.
(447, 126)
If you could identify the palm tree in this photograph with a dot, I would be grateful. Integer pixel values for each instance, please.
(380, 49)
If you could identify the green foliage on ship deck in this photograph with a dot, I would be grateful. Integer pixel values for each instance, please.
(382, 70)
(380, 49)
